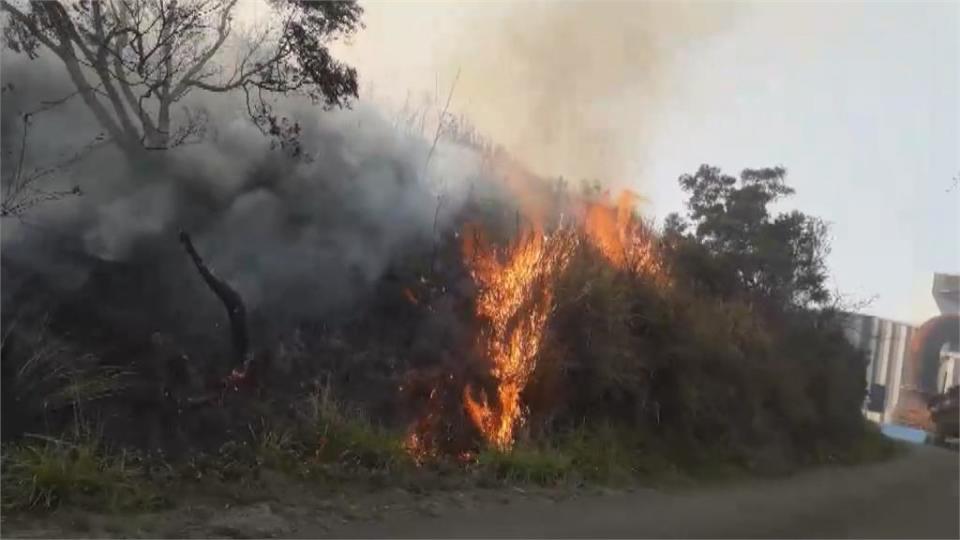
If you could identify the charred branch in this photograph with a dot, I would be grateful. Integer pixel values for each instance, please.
(231, 299)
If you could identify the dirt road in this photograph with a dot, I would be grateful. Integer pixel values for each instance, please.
(915, 496)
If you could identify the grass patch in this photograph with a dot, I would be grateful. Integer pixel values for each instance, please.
(44, 474)
(338, 435)
(525, 465)
(602, 454)
(360, 445)
(326, 442)
(869, 447)
(278, 450)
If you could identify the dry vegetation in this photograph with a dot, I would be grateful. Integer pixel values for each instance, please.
(638, 375)
(540, 334)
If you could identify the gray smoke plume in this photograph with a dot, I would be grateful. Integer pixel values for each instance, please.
(303, 236)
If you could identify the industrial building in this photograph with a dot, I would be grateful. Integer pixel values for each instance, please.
(886, 344)
(907, 365)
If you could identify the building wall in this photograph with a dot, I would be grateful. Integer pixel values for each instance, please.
(949, 375)
(946, 292)
(902, 373)
(885, 343)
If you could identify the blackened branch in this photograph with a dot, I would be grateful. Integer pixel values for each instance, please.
(231, 299)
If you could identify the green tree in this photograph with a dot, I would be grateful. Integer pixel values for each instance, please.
(780, 257)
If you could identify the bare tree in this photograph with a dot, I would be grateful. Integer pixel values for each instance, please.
(133, 61)
(23, 188)
(24, 183)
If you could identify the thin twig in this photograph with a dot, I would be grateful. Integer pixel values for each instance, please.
(440, 120)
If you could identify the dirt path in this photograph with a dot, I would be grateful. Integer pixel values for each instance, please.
(915, 496)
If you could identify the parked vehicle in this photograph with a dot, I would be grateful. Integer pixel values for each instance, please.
(945, 412)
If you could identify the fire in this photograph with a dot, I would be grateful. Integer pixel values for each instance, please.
(417, 443)
(408, 294)
(515, 293)
(624, 240)
(514, 300)
(428, 434)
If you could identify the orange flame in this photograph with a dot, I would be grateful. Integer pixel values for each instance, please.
(623, 239)
(408, 294)
(514, 300)
(417, 443)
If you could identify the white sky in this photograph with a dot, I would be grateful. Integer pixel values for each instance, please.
(859, 101)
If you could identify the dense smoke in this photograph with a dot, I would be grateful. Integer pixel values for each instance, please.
(304, 235)
(567, 88)
(570, 88)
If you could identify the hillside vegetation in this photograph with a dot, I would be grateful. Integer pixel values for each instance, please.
(708, 349)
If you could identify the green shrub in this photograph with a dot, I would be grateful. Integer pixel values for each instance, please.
(869, 446)
(45, 474)
(593, 340)
(603, 453)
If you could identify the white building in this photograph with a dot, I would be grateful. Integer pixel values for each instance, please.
(886, 344)
(907, 364)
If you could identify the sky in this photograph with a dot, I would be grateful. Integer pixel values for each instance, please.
(859, 101)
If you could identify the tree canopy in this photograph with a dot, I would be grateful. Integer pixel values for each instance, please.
(777, 256)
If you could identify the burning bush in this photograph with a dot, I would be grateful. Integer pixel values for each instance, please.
(514, 300)
(602, 321)
(580, 343)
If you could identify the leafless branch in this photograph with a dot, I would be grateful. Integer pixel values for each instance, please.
(22, 189)
(441, 120)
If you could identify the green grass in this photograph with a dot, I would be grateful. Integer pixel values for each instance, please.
(870, 446)
(278, 450)
(525, 465)
(335, 434)
(332, 447)
(602, 454)
(44, 474)
(361, 445)
(328, 443)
